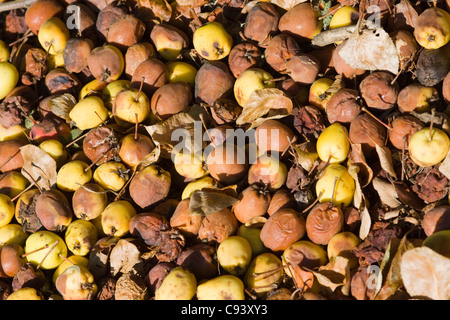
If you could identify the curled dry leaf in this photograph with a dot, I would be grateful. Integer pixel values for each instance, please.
(385, 156)
(270, 103)
(205, 202)
(99, 256)
(149, 159)
(124, 257)
(370, 49)
(387, 192)
(38, 166)
(390, 279)
(425, 273)
(61, 105)
(335, 274)
(444, 166)
(307, 160)
(180, 126)
(366, 223)
(356, 156)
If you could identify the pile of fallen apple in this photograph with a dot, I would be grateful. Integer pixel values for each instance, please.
(97, 200)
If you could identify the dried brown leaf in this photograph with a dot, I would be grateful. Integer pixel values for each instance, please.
(38, 166)
(366, 222)
(130, 287)
(205, 202)
(124, 257)
(182, 126)
(385, 156)
(387, 192)
(425, 273)
(391, 263)
(336, 273)
(264, 104)
(61, 105)
(370, 49)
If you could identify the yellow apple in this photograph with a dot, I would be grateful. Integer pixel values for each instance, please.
(12, 234)
(225, 287)
(343, 17)
(317, 96)
(333, 145)
(189, 165)
(432, 28)
(428, 147)
(88, 113)
(251, 80)
(205, 182)
(45, 248)
(234, 255)
(73, 175)
(90, 87)
(25, 293)
(53, 35)
(9, 76)
(344, 189)
(212, 41)
(179, 284)
(56, 150)
(180, 71)
(7, 210)
(4, 51)
(111, 175)
(132, 106)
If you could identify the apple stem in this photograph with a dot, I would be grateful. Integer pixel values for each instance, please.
(33, 180)
(313, 204)
(274, 80)
(65, 258)
(431, 125)
(34, 251)
(22, 192)
(206, 129)
(77, 139)
(103, 122)
(376, 118)
(334, 192)
(136, 126)
(403, 158)
(331, 11)
(140, 89)
(119, 194)
(46, 255)
(97, 160)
